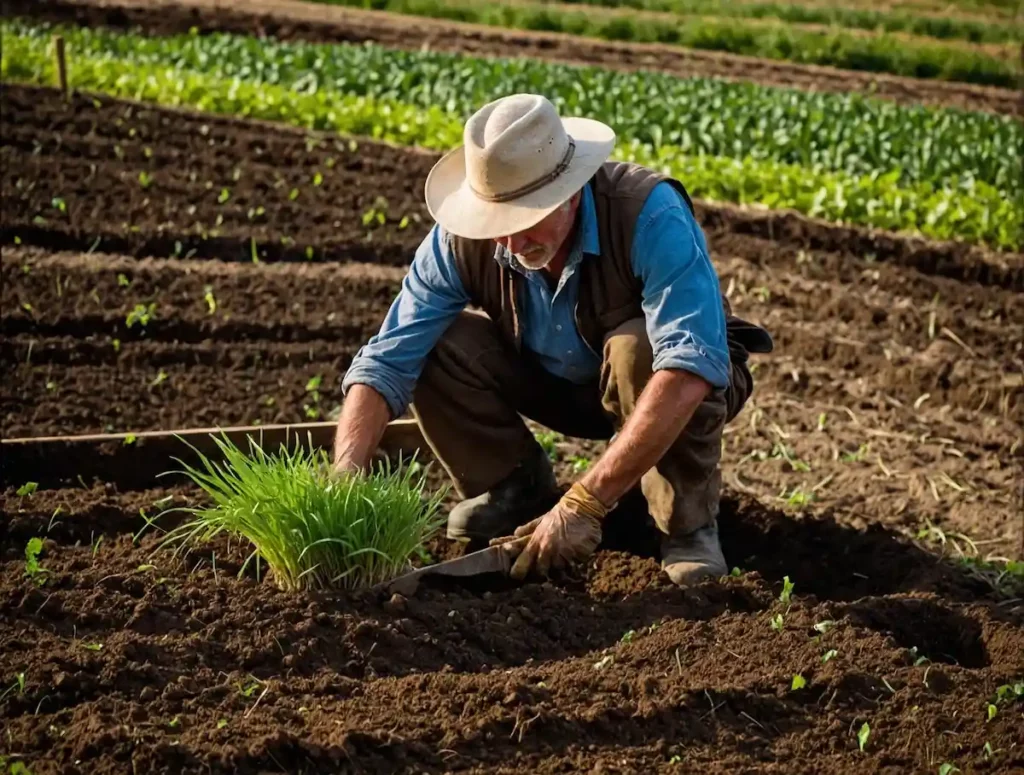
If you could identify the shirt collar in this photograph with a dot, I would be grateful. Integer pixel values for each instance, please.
(587, 239)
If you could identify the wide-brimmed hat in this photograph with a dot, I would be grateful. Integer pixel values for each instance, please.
(519, 161)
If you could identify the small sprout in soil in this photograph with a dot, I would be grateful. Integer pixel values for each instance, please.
(318, 179)
(129, 439)
(92, 646)
(548, 441)
(602, 663)
(175, 722)
(627, 636)
(312, 410)
(312, 527)
(824, 626)
(948, 769)
(145, 179)
(96, 545)
(822, 420)
(404, 223)
(249, 687)
(777, 622)
(33, 569)
(676, 759)
(786, 596)
(51, 385)
(797, 498)
(991, 712)
(39, 221)
(255, 212)
(17, 241)
(989, 753)
(309, 252)
(221, 723)
(252, 250)
(918, 660)
(735, 573)
(147, 152)
(159, 379)
(27, 489)
(862, 735)
(856, 457)
(26, 306)
(116, 343)
(223, 196)
(293, 194)
(209, 298)
(1008, 693)
(142, 314)
(19, 684)
(579, 463)
(829, 655)
(60, 204)
(122, 280)
(18, 768)
(799, 682)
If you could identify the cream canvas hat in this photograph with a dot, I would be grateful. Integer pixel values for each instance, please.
(519, 161)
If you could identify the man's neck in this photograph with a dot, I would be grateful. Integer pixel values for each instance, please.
(554, 269)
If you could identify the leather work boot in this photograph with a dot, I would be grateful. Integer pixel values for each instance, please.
(693, 557)
(526, 493)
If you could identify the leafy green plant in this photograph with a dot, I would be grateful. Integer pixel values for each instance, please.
(828, 656)
(33, 569)
(799, 682)
(145, 179)
(760, 146)
(28, 488)
(549, 441)
(312, 527)
(209, 298)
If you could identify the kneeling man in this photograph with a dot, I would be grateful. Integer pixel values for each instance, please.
(597, 314)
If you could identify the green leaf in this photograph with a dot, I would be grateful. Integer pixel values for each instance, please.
(787, 591)
(863, 735)
(948, 769)
(991, 711)
(829, 655)
(27, 489)
(799, 682)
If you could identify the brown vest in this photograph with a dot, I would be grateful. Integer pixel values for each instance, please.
(609, 292)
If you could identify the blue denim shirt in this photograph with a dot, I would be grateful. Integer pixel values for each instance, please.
(681, 303)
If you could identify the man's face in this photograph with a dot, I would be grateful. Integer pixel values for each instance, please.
(535, 247)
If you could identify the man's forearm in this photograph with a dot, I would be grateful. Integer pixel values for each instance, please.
(364, 416)
(662, 412)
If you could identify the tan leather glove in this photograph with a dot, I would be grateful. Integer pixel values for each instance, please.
(568, 533)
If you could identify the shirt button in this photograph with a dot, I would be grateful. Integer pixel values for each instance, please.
(568, 352)
(558, 327)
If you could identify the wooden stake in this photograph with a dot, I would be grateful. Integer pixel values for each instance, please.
(62, 65)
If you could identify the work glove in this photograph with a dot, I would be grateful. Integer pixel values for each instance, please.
(568, 533)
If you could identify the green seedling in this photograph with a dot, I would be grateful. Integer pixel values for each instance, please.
(799, 682)
(122, 280)
(777, 622)
(313, 528)
(221, 723)
(991, 712)
(51, 385)
(824, 626)
(145, 179)
(27, 489)
(948, 769)
(856, 457)
(93, 646)
(27, 306)
(33, 569)
(312, 410)
(141, 314)
(209, 298)
(862, 735)
(116, 344)
(223, 196)
(736, 573)
(579, 464)
(309, 252)
(293, 194)
(318, 179)
(822, 421)
(19, 684)
(175, 722)
(159, 379)
(59, 204)
(602, 663)
(1010, 692)
(828, 656)
(627, 636)
(989, 753)
(129, 439)
(786, 596)
(249, 687)
(404, 223)
(18, 768)
(548, 441)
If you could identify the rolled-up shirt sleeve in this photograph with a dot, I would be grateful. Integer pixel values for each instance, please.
(682, 302)
(431, 297)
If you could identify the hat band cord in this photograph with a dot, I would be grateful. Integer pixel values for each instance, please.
(529, 188)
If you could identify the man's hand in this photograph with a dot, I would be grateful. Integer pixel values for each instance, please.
(568, 533)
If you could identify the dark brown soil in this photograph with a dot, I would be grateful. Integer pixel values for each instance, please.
(209, 175)
(287, 19)
(894, 399)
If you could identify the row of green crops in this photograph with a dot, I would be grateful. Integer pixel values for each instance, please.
(882, 53)
(845, 133)
(961, 207)
(873, 19)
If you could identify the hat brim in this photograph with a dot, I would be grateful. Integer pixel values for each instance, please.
(459, 211)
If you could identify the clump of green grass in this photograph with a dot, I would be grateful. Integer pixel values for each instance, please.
(314, 528)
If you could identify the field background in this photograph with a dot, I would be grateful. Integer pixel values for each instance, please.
(216, 220)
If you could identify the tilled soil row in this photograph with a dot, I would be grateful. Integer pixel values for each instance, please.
(178, 666)
(121, 177)
(287, 19)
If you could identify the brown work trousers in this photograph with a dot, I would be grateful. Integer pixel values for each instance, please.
(475, 388)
